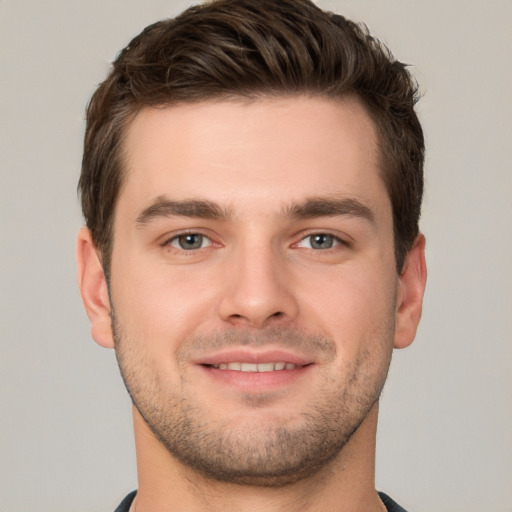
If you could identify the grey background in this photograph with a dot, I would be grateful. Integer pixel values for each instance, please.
(445, 439)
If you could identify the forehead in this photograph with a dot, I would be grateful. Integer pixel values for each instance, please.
(269, 150)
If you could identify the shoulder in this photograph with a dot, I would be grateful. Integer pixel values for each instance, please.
(391, 505)
(124, 506)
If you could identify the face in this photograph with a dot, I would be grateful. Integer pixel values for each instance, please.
(253, 286)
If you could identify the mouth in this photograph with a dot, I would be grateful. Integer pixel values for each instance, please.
(255, 367)
(255, 370)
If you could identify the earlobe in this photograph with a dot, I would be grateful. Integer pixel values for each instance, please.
(93, 288)
(412, 283)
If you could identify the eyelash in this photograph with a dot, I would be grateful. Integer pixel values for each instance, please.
(176, 239)
(336, 241)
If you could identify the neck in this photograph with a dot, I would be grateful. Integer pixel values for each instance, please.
(344, 484)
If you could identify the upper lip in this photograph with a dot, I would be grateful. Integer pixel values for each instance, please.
(243, 355)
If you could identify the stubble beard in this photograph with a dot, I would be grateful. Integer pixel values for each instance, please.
(269, 455)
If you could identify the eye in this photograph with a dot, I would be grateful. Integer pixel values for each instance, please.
(190, 241)
(319, 241)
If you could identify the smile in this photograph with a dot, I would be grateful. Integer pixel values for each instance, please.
(252, 372)
(255, 367)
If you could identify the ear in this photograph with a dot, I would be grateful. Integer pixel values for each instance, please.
(93, 288)
(411, 286)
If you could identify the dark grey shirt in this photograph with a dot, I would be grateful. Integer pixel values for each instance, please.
(391, 506)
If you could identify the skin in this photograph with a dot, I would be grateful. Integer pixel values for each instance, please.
(296, 262)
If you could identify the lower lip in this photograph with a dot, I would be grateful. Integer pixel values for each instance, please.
(256, 381)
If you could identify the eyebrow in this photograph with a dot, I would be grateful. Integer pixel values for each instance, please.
(314, 207)
(330, 207)
(163, 207)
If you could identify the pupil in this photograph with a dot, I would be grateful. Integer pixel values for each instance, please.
(321, 241)
(193, 241)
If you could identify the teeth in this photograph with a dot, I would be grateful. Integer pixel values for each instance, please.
(253, 367)
(249, 367)
(266, 367)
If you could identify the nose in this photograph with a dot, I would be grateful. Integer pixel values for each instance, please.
(257, 290)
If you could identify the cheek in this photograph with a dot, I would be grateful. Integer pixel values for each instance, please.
(160, 303)
(353, 306)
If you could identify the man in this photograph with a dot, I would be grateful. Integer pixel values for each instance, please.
(251, 184)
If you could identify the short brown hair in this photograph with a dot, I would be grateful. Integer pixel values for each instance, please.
(245, 49)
